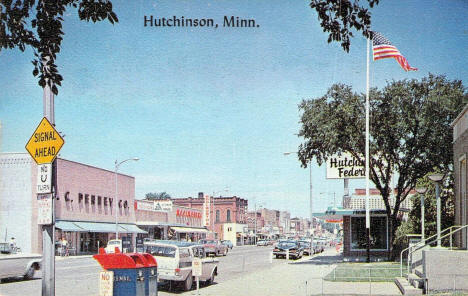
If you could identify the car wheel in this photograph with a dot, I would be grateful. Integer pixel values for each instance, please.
(188, 282)
(225, 252)
(210, 281)
(30, 273)
(217, 253)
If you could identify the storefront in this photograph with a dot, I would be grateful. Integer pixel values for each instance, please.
(354, 231)
(87, 237)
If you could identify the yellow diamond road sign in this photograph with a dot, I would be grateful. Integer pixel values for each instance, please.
(45, 143)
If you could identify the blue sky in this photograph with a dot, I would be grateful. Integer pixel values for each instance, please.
(206, 109)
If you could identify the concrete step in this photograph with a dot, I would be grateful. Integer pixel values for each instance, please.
(406, 288)
(419, 271)
(415, 280)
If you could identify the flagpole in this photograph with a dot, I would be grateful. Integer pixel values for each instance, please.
(367, 156)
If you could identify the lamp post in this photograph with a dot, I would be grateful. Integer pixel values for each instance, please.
(437, 178)
(117, 164)
(422, 191)
(310, 194)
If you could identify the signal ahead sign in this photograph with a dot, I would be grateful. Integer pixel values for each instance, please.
(45, 143)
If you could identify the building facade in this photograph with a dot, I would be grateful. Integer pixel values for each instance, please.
(220, 210)
(357, 200)
(85, 206)
(460, 151)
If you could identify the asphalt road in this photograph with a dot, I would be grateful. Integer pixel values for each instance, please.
(79, 276)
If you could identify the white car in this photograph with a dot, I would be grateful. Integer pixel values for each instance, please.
(175, 259)
(18, 264)
(112, 244)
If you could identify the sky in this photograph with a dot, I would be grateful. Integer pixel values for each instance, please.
(213, 109)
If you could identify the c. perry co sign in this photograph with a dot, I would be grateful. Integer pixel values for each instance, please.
(45, 143)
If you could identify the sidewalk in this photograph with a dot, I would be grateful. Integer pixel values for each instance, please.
(60, 258)
(302, 277)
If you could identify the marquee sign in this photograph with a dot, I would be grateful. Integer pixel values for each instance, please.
(345, 166)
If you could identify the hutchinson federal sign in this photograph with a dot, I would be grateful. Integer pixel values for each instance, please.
(45, 143)
(345, 166)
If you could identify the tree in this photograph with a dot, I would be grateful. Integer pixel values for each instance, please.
(157, 196)
(410, 132)
(340, 17)
(39, 25)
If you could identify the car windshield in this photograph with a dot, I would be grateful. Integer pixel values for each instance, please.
(114, 243)
(287, 244)
(304, 244)
(161, 251)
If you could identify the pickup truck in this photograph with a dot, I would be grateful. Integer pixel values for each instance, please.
(175, 259)
(14, 264)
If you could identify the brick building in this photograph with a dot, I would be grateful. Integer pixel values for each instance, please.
(221, 210)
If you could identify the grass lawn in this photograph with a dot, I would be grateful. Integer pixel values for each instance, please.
(365, 272)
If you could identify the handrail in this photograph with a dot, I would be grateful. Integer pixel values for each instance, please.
(425, 242)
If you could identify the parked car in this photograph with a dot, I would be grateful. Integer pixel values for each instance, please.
(14, 264)
(175, 259)
(262, 243)
(307, 246)
(295, 249)
(214, 247)
(112, 244)
(318, 246)
(228, 243)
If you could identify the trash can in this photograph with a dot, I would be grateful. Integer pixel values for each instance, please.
(151, 286)
(129, 271)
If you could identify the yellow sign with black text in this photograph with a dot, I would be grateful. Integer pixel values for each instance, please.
(45, 143)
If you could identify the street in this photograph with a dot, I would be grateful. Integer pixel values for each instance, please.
(77, 276)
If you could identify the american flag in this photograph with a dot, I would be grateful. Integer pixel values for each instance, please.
(383, 48)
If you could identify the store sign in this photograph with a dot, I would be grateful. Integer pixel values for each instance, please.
(188, 213)
(106, 283)
(144, 206)
(44, 178)
(44, 209)
(163, 206)
(206, 210)
(345, 166)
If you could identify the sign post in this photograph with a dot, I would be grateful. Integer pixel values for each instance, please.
(44, 146)
(197, 267)
(106, 283)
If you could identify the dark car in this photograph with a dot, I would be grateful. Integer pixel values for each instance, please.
(228, 243)
(307, 246)
(293, 247)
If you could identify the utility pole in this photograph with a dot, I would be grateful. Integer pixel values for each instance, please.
(48, 231)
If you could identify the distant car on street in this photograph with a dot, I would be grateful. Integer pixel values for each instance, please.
(214, 247)
(228, 243)
(307, 245)
(262, 243)
(295, 250)
(112, 244)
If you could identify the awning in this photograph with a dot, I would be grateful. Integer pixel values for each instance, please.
(189, 230)
(68, 226)
(99, 227)
(132, 228)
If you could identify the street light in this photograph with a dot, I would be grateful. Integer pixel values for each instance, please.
(437, 178)
(422, 191)
(117, 164)
(310, 192)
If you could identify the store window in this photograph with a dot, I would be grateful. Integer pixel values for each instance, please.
(228, 216)
(378, 233)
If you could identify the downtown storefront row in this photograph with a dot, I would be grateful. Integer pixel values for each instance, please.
(87, 214)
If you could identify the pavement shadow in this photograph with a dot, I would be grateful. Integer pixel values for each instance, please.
(322, 260)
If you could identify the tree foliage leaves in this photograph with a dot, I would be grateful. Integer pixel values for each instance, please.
(38, 24)
(340, 17)
(410, 130)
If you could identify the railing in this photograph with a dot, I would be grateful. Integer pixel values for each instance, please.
(430, 240)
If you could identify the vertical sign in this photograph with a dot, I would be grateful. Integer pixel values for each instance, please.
(44, 178)
(44, 209)
(106, 283)
(197, 267)
(206, 210)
